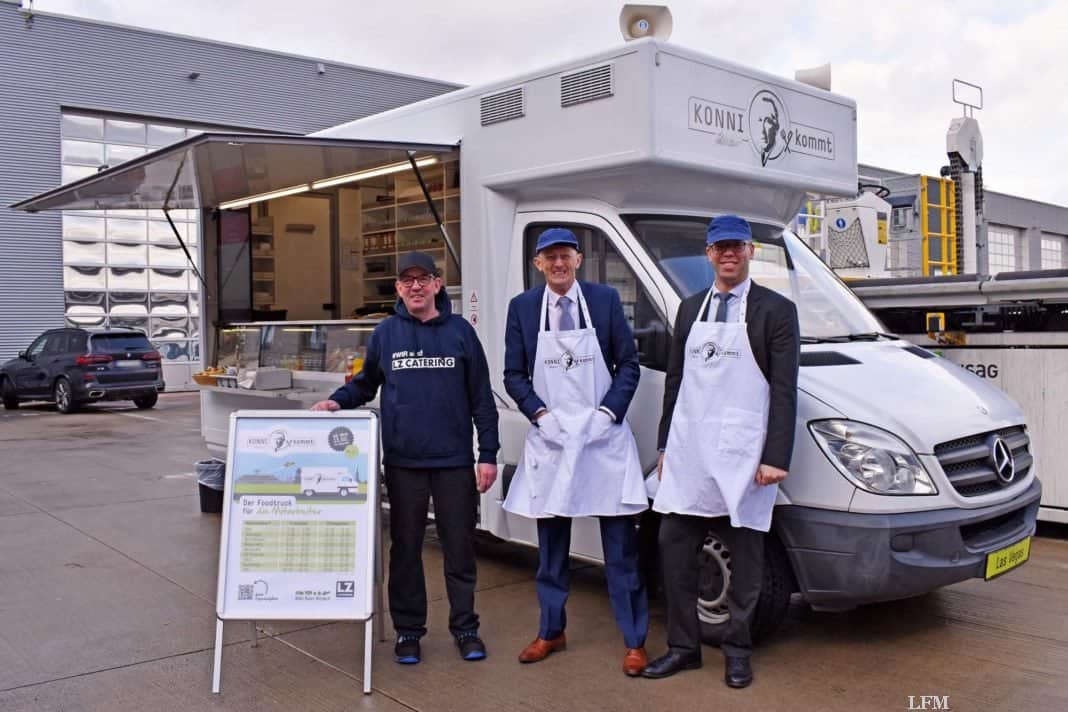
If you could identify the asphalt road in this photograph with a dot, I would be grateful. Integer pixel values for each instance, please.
(107, 589)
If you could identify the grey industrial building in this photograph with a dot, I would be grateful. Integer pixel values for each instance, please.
(1019, 234)
(79, 94)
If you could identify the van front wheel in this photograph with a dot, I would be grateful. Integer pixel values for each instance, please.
(714, 569)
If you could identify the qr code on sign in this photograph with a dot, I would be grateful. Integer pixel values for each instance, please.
(244, 592)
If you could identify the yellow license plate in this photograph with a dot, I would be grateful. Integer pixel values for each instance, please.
(1002, 560)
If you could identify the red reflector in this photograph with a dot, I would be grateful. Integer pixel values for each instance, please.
(89, 377)
(151, 356)
(90, 359)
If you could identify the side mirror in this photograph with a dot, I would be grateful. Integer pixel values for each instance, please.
(654, 345)
(23, 356)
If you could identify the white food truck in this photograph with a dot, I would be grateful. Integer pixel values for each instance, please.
(327, 480)
(909, 473)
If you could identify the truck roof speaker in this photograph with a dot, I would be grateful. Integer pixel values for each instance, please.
(638, 21)
(819, 77)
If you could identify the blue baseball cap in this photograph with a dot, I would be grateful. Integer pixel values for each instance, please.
(556, 236)
(728, 227)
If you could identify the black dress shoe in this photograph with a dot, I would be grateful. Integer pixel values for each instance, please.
(670, 663)
(738, 672)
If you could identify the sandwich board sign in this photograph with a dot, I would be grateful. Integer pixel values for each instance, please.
(300, 521)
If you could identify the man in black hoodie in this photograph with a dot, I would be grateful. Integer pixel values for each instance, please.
(435, 382)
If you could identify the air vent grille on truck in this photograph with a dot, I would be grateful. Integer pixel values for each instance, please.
(975, 466)
(826, 358)
(502, 106)
(587, 85)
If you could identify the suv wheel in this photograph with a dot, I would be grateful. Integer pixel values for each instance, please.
(146, 401)
(7, 393)
(63, 394)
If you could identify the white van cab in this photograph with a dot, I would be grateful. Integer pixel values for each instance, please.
(908, 472)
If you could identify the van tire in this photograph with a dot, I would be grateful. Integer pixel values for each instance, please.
(775, 590)
(145, 402)
(344, 491)
(309, 493)
(63, 395)
(7, 393)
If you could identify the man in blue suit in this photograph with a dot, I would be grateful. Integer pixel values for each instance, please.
(571, 366)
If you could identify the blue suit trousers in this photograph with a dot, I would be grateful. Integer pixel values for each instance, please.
(626, 589)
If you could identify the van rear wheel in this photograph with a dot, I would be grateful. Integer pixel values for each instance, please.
(714, 571)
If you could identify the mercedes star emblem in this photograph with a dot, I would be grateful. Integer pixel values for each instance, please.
(1002, 460)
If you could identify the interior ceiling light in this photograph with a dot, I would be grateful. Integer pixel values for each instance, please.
(328, 182)
(374, 172)
(242, 202)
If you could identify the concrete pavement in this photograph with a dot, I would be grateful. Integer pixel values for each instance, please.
(107, 587)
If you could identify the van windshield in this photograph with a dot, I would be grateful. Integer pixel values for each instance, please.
(826, 308)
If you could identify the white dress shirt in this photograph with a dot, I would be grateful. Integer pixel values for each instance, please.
(734, 306)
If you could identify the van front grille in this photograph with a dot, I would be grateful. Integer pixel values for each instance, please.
(969, 462)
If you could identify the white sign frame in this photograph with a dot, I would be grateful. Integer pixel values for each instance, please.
(267, 430)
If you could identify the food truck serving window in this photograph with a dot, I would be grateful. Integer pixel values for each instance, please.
(300, 229)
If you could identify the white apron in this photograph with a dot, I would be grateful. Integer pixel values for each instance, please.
(718, 428)
(591, 468)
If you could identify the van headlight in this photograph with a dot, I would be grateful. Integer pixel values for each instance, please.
(875, 460)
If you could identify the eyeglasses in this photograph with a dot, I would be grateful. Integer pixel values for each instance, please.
(729, 246)
(424, 280)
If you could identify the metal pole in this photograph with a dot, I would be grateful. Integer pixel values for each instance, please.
(434, 210)
(368, 642)
(216, 670)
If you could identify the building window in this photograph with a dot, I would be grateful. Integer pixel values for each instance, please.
(1053, 250)
(1001, 248)
(125, 267)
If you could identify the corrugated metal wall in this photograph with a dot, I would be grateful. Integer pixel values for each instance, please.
(58, 62)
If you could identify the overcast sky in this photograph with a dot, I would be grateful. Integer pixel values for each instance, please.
(897, 58)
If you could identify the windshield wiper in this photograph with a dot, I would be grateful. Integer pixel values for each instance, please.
(824, 340)
(845, 338)
(872, 336)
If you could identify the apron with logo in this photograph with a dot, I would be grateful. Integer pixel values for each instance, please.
(591, 468)
(718, 428)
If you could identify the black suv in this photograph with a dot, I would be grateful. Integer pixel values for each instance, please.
(76, 366)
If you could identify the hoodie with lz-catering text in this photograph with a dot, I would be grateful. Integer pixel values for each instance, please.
(435, 383)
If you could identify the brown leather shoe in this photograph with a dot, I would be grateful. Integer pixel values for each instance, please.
(634, 662)
(541, 649)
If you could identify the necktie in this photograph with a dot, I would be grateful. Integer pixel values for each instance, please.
(567, 323)
(721, 310)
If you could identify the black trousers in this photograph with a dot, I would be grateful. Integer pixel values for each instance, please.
(455, 503)
(681, 538)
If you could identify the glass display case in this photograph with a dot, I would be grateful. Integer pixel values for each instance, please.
(239, 346)
(330, 347)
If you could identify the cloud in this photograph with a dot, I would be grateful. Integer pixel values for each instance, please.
(897, 59)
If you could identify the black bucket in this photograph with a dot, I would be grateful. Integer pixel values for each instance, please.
(211, 479)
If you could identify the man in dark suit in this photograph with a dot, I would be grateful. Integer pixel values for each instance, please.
(725, 460)
(571, 366)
